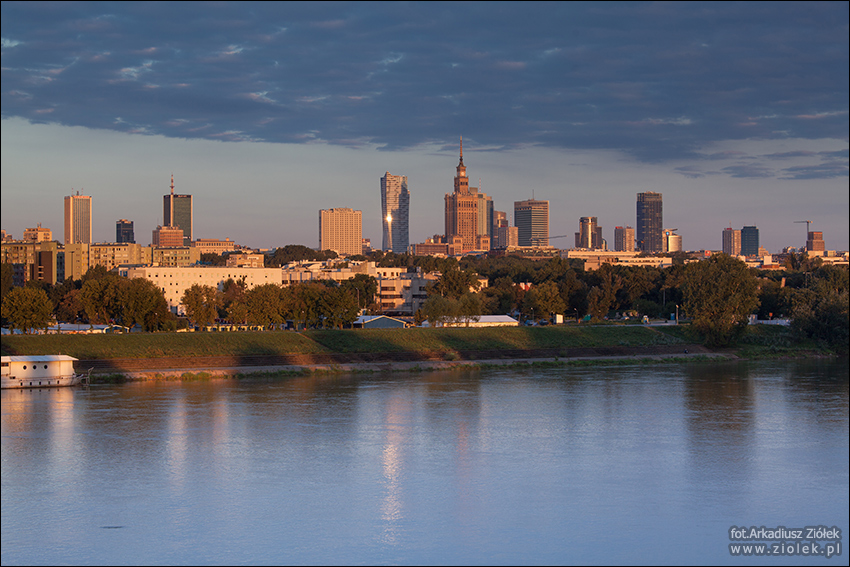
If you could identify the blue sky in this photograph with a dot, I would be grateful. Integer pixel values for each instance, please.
(268, 112)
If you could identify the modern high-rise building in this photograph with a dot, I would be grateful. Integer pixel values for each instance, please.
(395, 211)
(78, 219)
(177, 211)
(167, 237)
(731, 241)
(815, 242)
(671, 242)
(531, 217)
(341, 230)
(624, 239)
(485, 215)
(649, 222)
(750, 241)
(124, 232)
(589, 234)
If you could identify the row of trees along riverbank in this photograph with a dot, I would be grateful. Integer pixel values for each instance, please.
(717, 294)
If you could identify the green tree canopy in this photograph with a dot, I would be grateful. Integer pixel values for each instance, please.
(719, 295)
(27, 308)
(201, 304)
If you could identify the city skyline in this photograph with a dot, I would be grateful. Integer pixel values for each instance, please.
(553, 105)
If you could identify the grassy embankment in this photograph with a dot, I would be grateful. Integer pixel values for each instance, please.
(320, 342)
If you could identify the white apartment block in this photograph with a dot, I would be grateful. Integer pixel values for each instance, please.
(341, 230)
(175, 280)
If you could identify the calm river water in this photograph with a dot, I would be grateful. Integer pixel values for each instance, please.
(545, 466)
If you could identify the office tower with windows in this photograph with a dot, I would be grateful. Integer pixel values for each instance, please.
(731, 241)
(750, 241)
(589, 234)
(395, 211)
(531, 217)
(814, 242)
(124, 232)
(671, 241)
(341, 230)
(177, 211)
(624, 239)
(78, 219)
(649, 222)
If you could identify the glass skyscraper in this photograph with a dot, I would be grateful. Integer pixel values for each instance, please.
(649, 223)
(750, 241)
(177, 212)
(395, 213)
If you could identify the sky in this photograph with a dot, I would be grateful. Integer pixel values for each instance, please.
(268, 112)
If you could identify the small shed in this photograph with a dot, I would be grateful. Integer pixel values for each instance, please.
(378, 322)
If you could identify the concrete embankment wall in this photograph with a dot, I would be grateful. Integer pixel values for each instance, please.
(122, 365)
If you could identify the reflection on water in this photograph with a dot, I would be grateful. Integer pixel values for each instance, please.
(619, 464)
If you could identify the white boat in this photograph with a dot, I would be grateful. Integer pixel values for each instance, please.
(39, 371)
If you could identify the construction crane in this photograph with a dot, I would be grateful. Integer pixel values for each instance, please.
(808, 222)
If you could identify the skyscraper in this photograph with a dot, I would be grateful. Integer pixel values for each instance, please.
(462, 209)
(750, 241)
(531, 217)
(589, 234)
(624, 239)
(670, 241)
(649, 222)
(395, 211)
(78, 219)
(341, 230)
(815, 242)
(731, 241)
(124, 232)
(177, 211)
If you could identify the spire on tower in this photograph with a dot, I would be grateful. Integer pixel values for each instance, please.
(461, 150)
(172, 184)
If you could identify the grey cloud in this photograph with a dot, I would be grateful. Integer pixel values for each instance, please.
(823, 171)
(656, 81)
(748, 171)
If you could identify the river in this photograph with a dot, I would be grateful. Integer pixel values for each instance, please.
(566, 465)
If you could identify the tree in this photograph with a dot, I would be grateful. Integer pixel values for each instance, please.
(545, 299)
(455, 283)
(27, 308)
(100, 296)
(265, 305)
(720, 294)
(201, 304)
(143, 303)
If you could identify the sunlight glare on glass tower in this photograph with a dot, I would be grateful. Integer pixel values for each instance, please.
(395, 213)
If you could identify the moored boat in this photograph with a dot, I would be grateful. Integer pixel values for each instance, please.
(39, 371)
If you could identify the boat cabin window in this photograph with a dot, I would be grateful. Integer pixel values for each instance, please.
(25, 366)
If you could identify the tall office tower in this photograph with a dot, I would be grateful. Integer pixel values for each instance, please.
(506, 237)
(124, 232)
(649, 222)
(341, 230)
(750, 241)
(462, 209)
(177, 211)
(531, 217)
(485, 215)
(78, 219)
(671, 241)
(395, 211)
(500, 219)
(815, 242)
(624, 239)
(589, 234)
(731, 241)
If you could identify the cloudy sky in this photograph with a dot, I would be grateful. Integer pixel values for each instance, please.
(268, 112)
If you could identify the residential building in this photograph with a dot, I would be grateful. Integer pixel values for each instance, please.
(178, 212)
(815, 242)
(395, 213)
(649, 222)
(731, 241)
(624, 239)
(80, 257)
(750, 241)
(175, 280)
(531, 217)
(341, 230)
(462, 209)
(32, 261)
(78, 219)
(167, 237)
(213, 246)
(124, 232)
(38, 234)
